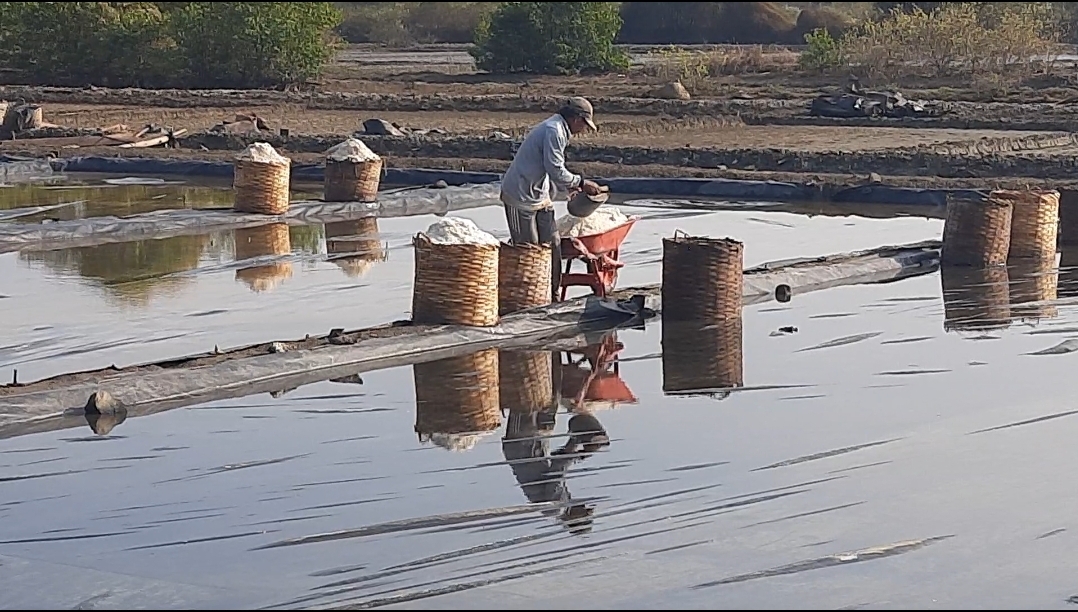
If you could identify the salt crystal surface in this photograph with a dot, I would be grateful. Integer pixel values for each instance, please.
(605, 218)
(262, 152)
(457, 230)
(351, 150)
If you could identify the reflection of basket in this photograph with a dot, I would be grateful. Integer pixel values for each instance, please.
(523, 277)
(977, 232)
(701, 358)
(702, 278)
(261, 187)
(1068, 271)
(1068, 217)
(525, 380)
(1034, 284)
(457, 395)
(1034, 222)
(263, 241)
(358, 240)
(975, 299)
(455, 284)
(348, 181)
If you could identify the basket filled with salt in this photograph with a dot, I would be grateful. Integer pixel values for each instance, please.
(456, 275)
(261, 180)
(353, 173)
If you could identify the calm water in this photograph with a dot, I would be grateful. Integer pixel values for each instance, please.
(870, 459)
(140, 301)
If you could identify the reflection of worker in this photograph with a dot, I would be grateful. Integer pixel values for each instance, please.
(526, 186)
(542, 476)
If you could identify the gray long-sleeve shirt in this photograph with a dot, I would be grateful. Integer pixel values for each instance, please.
(539, 161)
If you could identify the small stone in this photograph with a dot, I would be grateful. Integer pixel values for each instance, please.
(103, 424)
(440, 184)
(278, 347)
(672, 91)
(783, 293)
(102, 402)
(380, 127)
(875, 178)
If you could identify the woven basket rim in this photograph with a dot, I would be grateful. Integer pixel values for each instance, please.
(285, 162)
(683, 238)
(525, 247)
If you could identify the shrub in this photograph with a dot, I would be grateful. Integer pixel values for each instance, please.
(826, 18)
(401, 23)
(685, 23)
(254, 44)
(822, 52)
(167, 44)
(971, 38)
(550, 38)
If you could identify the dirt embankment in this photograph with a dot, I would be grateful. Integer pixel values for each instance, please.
(1041, 116)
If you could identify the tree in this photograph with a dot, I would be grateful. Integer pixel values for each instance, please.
(550, 38)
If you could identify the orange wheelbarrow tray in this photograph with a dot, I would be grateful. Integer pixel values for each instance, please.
(600, 253)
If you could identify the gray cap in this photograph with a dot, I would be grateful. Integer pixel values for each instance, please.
(583, 109)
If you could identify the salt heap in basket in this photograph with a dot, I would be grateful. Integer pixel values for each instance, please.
(604, 219)
(457, 230)
(262, 153)
(351, 150)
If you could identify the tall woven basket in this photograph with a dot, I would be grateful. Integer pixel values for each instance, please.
(523, 277)
(526, 381)
(1034, 223)
(1034, 286)
(263, 241)
(702, 359)
(457, 395)
(702, 278)
(975, 299)
(350, 181)
(455, 284)
(261, 187)
(355, 246)
(976, 232)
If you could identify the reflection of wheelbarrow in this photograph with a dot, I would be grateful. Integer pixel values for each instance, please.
(593, 375)
(600, 256)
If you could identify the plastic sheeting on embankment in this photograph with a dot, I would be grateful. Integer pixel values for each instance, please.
(147, 392)
(774, 191)
(181, 222)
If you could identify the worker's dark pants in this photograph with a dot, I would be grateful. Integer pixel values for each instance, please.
(538, 227)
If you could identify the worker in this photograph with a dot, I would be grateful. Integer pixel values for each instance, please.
(538, 167)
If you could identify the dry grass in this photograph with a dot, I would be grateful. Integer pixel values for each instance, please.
(694, 67)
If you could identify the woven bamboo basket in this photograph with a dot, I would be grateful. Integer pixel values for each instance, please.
(261, 187)
(457, 395)
(1068, 272)
(1068, 217)
(262, 241)
(355, 246)
(702, 359)
(976, 232)
(349, 181)
(702, 278)
(523, 277)
(975, 299)
(455, 284)
(1034, 223)
(1034, 285)
(525, 381)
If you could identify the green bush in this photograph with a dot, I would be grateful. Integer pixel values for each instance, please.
(822, 52)
(254, 44)
(402, 23)
(166, 44)
(550, 38)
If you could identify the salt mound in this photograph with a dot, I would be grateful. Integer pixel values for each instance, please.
(457, 230)
(351, 150)
(605, 218)
(263, 153)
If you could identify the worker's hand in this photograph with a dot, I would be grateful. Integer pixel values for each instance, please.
(591, 188)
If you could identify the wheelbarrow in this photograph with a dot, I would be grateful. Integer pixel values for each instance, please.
(593, 375)
(599, 253)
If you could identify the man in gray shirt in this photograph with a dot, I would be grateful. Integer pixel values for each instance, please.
(538, 167)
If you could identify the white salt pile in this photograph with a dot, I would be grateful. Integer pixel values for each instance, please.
(456, 230)
(455, 442)
(262, 153)
(605, 218)
(351, 150)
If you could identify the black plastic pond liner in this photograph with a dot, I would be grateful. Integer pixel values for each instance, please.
(146, 392)
(775, 191)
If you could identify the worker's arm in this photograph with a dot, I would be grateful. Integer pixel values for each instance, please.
(554, 161)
